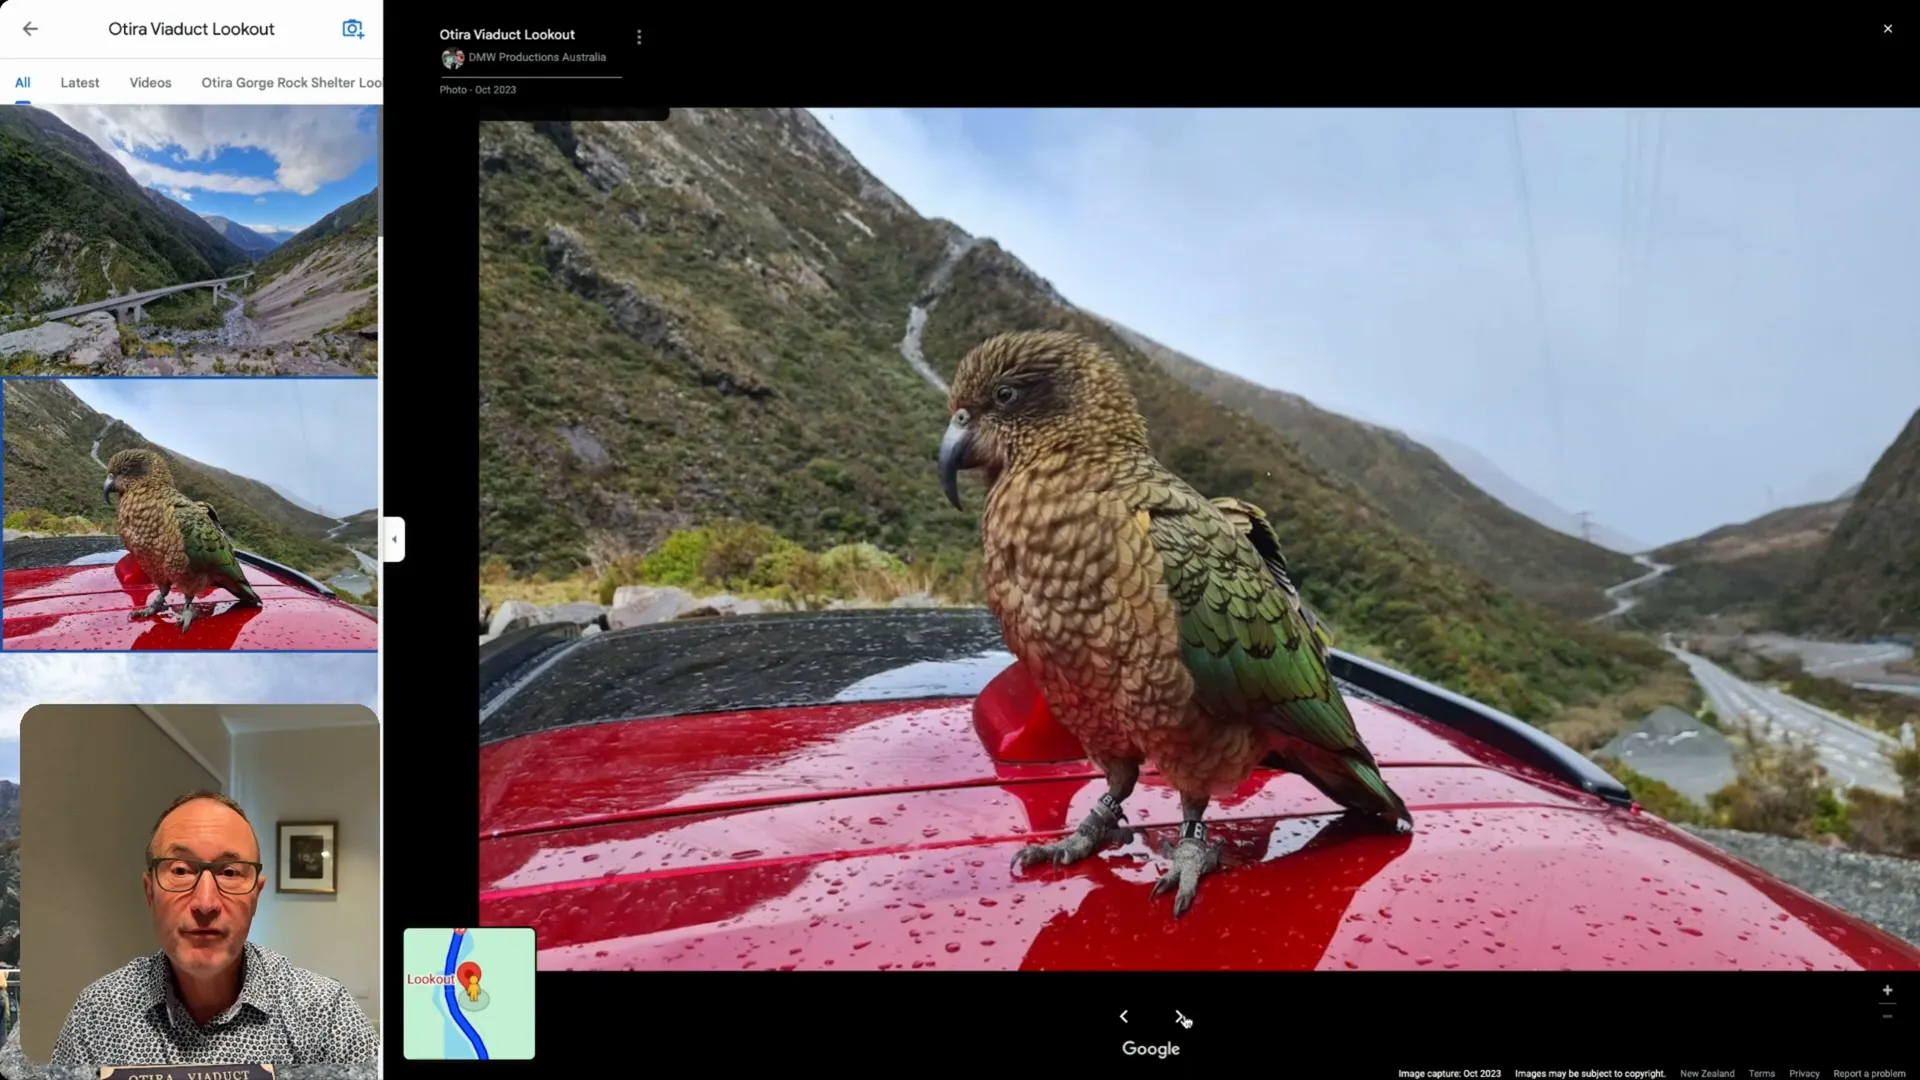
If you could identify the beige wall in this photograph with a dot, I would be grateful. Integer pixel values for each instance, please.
(202, 729)
(319, 774)
(93, 779)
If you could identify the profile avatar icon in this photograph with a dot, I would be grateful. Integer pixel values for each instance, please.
(453, 58)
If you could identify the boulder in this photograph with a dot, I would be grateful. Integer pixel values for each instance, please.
(916, 600)
(581, 612)
(513, 615)
(641, 605)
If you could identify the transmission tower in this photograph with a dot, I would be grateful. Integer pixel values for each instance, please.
(1586, 525)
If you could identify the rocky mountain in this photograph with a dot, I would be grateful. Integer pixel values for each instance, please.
(1866, 580)
(324, 280)
(726, 316)
(247, 240)
(1493, 480)
(1419, 489)
(54, 449)
(1737, 569)
(76, 227)
(9, 810)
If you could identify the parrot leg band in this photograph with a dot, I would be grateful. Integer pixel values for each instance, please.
(1193, 830)
(1193, 858)
(1100, 829)
(154, 606)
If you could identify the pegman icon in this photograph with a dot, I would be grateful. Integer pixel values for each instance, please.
(468, 976)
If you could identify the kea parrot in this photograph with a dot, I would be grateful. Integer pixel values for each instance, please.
(1162, 627)
(177, 541)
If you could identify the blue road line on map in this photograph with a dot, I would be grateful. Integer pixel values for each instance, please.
(453, 1007)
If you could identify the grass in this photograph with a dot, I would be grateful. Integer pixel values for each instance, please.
(364, 315)
(739, 559)
(26, 363)
(42, 521)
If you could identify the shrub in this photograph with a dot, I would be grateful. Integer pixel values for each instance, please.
(732, 549)
(851, 557)
(1779, 788)
(677, 560)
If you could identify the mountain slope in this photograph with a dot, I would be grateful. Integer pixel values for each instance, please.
(356, 219)
(247, 240)
(1493, 480)
(1866, 580)
(75, 227)
(49, 436)
(323, 280)
(1737, 569)
(726, 316)
(1422, 493)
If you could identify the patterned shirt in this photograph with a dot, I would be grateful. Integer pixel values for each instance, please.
(285, 1016)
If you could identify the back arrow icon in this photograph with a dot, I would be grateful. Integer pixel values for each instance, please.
(1123, 1016)
(29, 28)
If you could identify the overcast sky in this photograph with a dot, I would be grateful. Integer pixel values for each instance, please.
(159, 679)
(272, 168)
(1377, 262)
(315, 440)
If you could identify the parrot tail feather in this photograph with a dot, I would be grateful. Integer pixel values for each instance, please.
(1354, 784)
(236, 584)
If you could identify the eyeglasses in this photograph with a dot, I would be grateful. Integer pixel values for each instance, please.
(181, 875)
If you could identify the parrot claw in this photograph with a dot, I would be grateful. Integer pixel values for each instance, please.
(1099, 830)
(1192, 859)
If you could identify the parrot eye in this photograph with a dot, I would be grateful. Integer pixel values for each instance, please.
(1005, 395)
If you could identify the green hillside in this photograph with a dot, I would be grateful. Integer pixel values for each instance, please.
(704, 319)
(75, 227)
(358, 219)
(1866, 581)
(49, 466)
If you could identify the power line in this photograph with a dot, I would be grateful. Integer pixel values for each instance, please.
(1539, 295)
(1628, 159)
(1646, 233)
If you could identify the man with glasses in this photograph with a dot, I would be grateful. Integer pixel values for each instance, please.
(210, 996)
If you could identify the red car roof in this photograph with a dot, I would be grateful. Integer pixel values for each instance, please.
(879, 835)
(87, 606)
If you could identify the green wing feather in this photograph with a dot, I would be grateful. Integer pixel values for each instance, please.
(1253, 649)
(1243, 634)
(208, 548)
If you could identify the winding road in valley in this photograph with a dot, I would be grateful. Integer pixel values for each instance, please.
(1622, 602)
(1851, 753)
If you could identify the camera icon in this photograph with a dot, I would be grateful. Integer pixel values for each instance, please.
(352, 28)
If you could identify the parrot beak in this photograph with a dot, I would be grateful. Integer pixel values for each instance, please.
(956, 451)
(107, 492)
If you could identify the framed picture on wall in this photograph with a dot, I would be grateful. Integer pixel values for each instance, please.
(307, 857)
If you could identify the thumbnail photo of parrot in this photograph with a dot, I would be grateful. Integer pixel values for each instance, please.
(1162, 627)
(177, 541)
